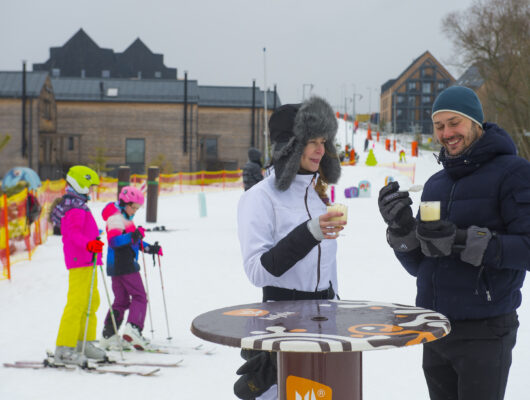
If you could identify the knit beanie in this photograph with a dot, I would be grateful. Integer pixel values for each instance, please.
(461, 100)
(291, 126)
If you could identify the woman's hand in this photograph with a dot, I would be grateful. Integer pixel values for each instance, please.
(329, 228)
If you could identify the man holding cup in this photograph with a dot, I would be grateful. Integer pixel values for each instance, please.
(470, 249)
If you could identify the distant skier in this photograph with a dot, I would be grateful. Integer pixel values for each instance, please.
(125, 240)
(252, 169)
(366, 143)
(80, 245)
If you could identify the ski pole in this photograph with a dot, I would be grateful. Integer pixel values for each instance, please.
(163, 296)
(89, 301)
(147, 289)
(111, 310)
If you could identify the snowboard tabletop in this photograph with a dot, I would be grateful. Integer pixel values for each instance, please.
(320, 326)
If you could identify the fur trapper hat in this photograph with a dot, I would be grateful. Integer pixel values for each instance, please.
(291, 126)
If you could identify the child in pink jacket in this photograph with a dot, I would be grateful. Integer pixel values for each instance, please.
(81, 246)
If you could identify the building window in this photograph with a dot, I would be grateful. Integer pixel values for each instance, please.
(426, 88)
(427, 72)
(399, 113)
(425, 99)
(158, 74)
(70, 143)
(56, 72)
(441, 85)
(400, 99)
(427, 113)
(411, 86)
(105, 73)
(135, 151)
(47, 110)
(412, 101)
(211, 147)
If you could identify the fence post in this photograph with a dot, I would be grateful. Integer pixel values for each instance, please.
(152, 194)
(124, 176)
(8, 264)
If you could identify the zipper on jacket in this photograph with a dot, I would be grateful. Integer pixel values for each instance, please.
(319, 248)
(450, 202)
(482, 274)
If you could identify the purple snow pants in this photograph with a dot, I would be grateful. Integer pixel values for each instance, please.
(129, 293)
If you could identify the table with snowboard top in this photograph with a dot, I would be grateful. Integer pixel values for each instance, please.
(320, 342)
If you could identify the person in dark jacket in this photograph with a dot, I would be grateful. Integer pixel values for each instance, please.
(252, 169)
(470, 265)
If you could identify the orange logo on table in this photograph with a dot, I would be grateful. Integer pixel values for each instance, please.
(247, 312)
(306, 389)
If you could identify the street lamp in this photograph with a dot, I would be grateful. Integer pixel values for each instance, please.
(310, 85)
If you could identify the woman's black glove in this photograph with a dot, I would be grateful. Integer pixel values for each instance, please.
(258, 374)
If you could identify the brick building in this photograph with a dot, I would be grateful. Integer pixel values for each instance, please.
(126, 121)
(406, 102)
(27, 111)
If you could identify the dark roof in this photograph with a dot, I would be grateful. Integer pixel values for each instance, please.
(124, 90)
(388, 84)
(470, 78)
(11, 83)
(233, 96)
(81, 53)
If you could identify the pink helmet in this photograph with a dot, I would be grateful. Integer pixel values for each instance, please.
(130, 194)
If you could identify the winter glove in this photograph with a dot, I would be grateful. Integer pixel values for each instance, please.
(95, 246)
(436, 237)
(258, 374)
(476, 242)
(402, 243)
(154, 249)
(138, 234)
(394, 206)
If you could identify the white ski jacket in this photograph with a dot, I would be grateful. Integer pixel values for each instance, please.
(266, 216)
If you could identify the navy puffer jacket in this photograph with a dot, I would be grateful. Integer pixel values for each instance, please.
(488, 186)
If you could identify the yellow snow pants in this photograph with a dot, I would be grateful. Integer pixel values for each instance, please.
(72, 327)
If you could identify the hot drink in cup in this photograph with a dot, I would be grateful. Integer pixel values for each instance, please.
(430, 211)
(337, 207)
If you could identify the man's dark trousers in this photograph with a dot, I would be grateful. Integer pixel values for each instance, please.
(473, 361)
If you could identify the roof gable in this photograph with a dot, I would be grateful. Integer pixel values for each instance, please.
(11, 83)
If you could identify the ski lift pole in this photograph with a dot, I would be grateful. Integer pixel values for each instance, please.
(113, 319)
(163, 295)
(147, 289)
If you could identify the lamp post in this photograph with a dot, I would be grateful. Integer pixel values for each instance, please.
(310, 85)
(265, 133)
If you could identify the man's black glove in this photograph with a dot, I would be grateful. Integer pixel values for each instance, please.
(394, 206)
(436, 237)
(258, 374)
(475, 242)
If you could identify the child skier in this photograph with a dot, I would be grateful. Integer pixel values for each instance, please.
(124, 242)
(81, 246)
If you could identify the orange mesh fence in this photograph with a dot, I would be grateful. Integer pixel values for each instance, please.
(19, 238)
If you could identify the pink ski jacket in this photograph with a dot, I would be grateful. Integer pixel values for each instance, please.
(78, 227)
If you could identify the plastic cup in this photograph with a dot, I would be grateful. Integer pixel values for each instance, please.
(338, 207)
(430, 211)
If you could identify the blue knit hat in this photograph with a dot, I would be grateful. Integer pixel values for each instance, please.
(461, 100)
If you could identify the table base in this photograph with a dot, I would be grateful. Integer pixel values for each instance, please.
(330, 376)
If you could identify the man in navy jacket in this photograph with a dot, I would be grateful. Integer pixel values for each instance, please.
(470, 265)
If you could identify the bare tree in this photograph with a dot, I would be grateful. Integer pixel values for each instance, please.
(494, 35)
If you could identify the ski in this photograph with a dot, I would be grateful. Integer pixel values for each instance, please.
(90, 368)
(182, 349)
(109, 361)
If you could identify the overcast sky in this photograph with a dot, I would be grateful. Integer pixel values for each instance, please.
(338, 46)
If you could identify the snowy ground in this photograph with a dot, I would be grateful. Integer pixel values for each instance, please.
(203, 271)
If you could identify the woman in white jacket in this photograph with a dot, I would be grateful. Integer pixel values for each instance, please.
(284, 230)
